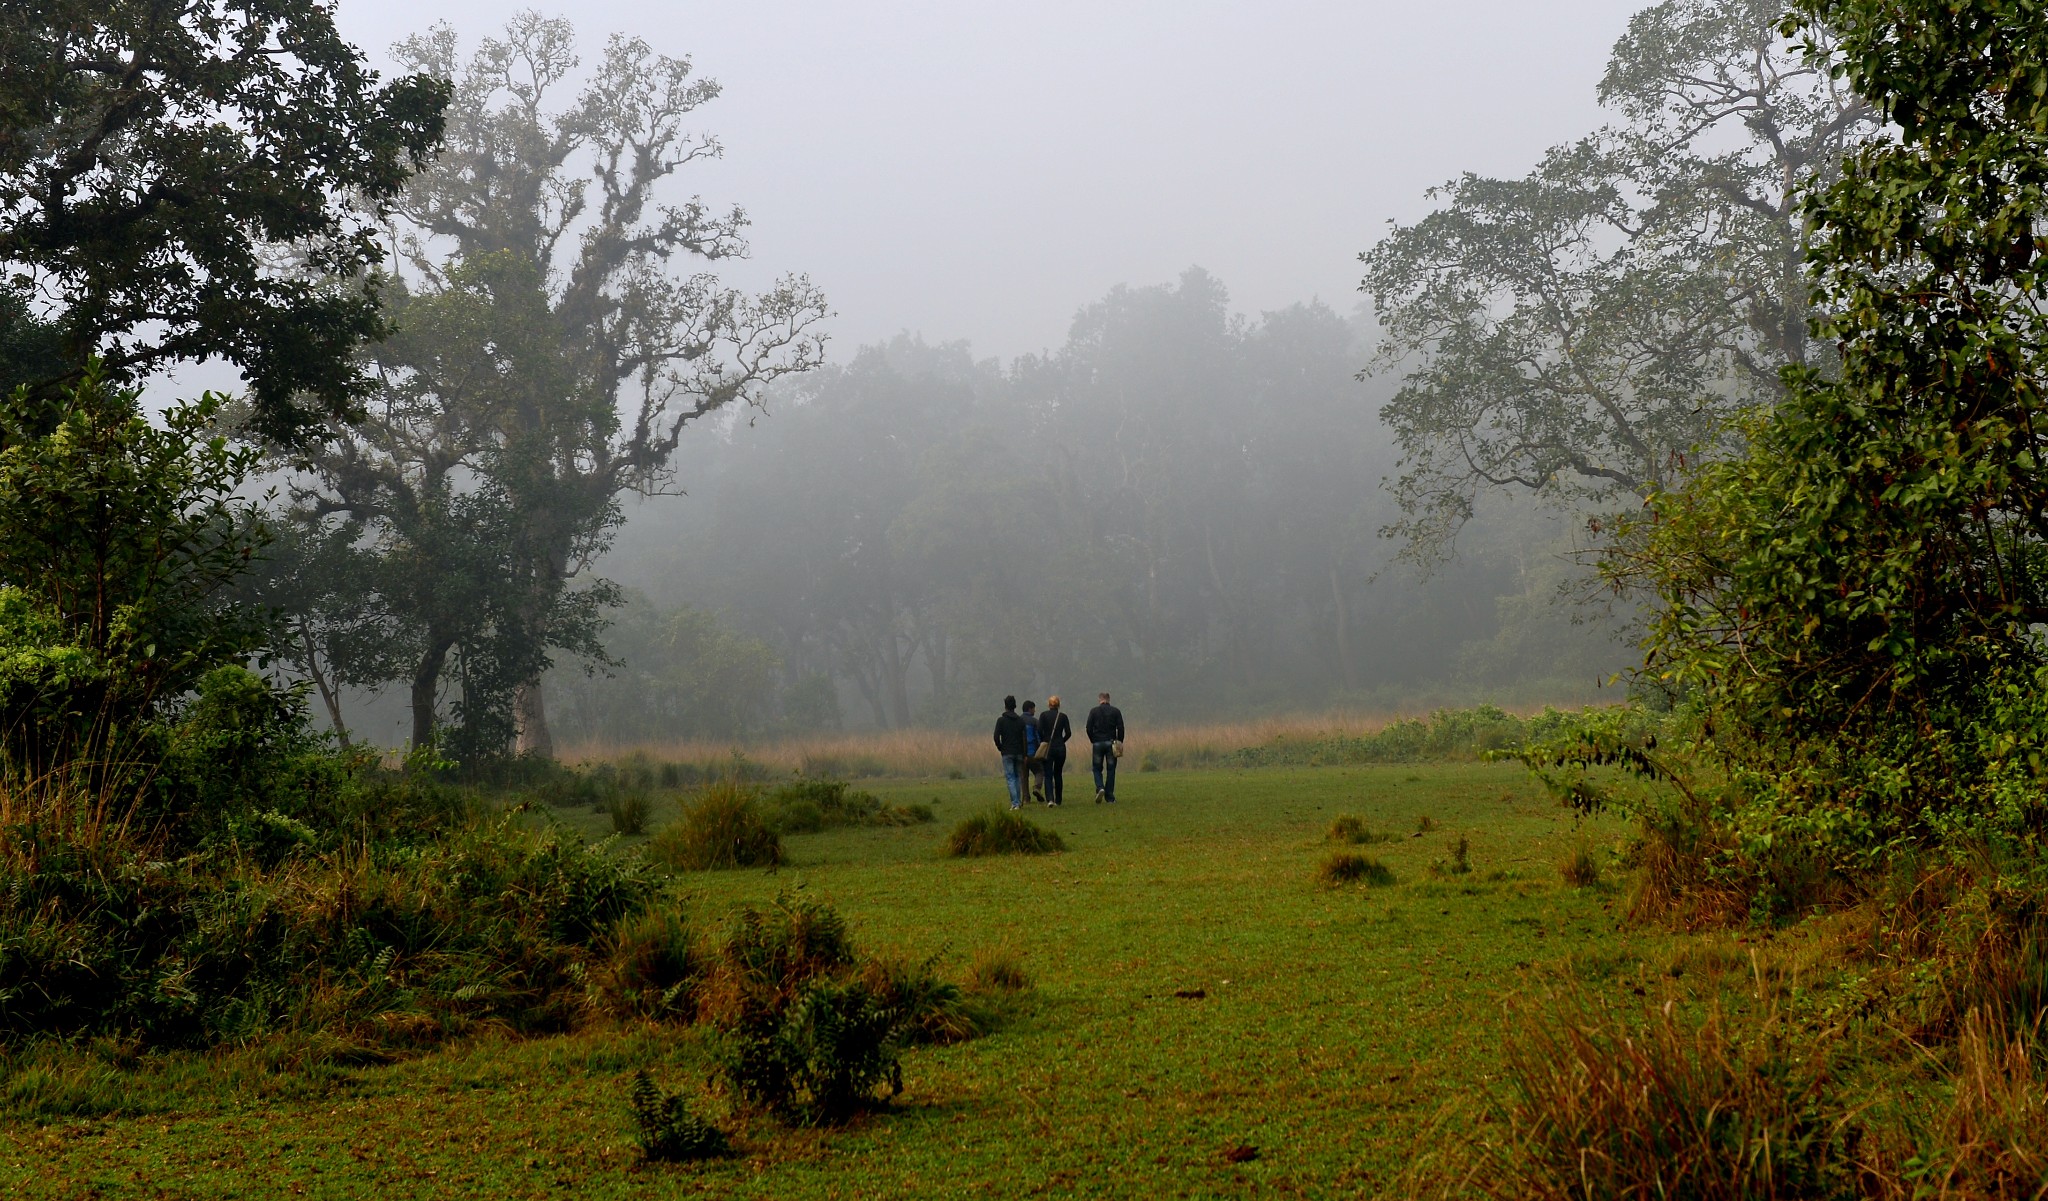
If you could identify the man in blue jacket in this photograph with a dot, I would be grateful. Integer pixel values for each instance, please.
(1105, 732)
(1010, 745)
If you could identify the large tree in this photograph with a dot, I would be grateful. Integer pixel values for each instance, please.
(185, 180)
(1584, 330)
(558, 353)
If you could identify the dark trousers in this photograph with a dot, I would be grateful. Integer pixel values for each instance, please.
(1055, 774)
(1104, 762)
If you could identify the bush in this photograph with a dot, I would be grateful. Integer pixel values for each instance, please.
(927, 1009)
(721, 828)
(665, 1129)
(652, 964)
(1349, 867)
(1353, 830)
(1001, 832)
(1597, 1108)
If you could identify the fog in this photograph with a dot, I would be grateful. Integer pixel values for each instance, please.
(1089, 413)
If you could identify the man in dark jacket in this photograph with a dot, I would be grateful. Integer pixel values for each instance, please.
(1054, 730)
(1010, 745)
(1105, 735)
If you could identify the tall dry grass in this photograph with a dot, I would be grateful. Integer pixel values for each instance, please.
(939, 753)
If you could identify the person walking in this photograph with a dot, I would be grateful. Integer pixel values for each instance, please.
(1034, 770)
(1010, 745)
(1053, 732)
(1106, 736)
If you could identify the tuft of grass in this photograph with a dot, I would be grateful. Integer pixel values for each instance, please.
(1001, 832)
(629, 813)
(808, 806)
(1349, 867)
(1598, 1107)
(1352, 830)
(721, 828)
(996, 970)
(1425, 824)
(664, 1127)
(1993, 1140)
(1580, 869)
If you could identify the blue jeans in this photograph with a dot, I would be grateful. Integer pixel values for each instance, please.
(1104, 763)
(1013, 775)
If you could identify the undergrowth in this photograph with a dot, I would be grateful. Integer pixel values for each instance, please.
(1001, 832)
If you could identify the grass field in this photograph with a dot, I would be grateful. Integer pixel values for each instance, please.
(1329, 1027)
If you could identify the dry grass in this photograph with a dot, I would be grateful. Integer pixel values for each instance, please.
(933, 754)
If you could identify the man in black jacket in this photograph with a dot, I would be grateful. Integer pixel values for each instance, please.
(1105, 734)
(1010, 745)
(1054, 730)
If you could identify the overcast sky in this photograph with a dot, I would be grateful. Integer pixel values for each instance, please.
(980, 171)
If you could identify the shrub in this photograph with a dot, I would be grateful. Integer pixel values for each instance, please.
(1353, 830)
(1001, 832)
(1597, 1108)
(927, 1009)
(1993, 1137)
(1580, 869)
(665, 1129)
(1349, 867)
(652, 964)
(721, 828)
(629, 813)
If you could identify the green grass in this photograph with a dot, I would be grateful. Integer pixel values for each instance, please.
(1334, 1024)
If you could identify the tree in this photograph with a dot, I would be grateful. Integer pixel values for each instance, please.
(119, 543)
(1857, 601)
(1582, 332)
(551, 355)
(184, 180)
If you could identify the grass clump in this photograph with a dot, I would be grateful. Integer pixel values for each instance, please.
(1458, 863)
(1349, 867)
(808, 806)
(1596, 1107)
(1580, 869)
(1352, 830)
(1425, 824)
(629, 813)
(1001, 832)
(721, 828)
(995, 970)
(664, 1128)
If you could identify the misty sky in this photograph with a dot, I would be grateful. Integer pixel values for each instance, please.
(973, 170)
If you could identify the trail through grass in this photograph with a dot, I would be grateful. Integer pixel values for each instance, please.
(1196, 991)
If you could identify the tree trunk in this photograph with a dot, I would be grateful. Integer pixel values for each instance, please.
(328, 695)
(426, 682)
(529, 711)
(1345, 662)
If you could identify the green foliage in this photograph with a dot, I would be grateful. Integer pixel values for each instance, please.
(722, 827)
(1448, 734)
(664, 1128)
(118, 541)
(152, 201)
(1853, 605)
(1001, 832)
(629, 812)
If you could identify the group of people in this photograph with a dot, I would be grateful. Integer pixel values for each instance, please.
(1033, 746)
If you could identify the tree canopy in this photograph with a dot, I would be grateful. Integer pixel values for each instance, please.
(185, 180)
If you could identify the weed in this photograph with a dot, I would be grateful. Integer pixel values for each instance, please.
(1353, 831)
(721, 828)
(1001, 832)
(1580, 869)
(1349, 867)
(1425, 824)
(664, 1127)
(1994, 1134)
(808, 806)
(629, 813)
(1458, 864)
(652, 965)
(927, 1009)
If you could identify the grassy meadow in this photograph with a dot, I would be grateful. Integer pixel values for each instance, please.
(1195, 992)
